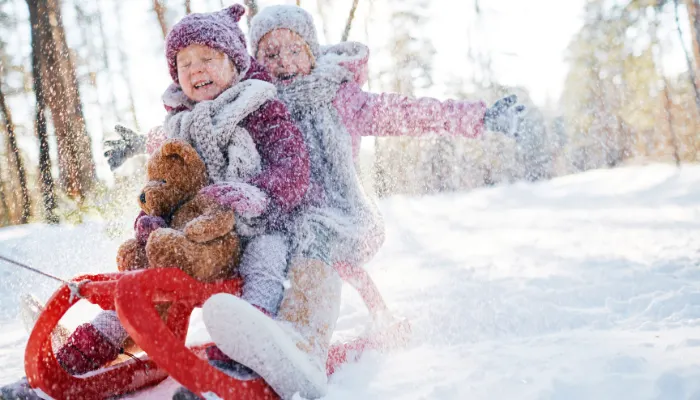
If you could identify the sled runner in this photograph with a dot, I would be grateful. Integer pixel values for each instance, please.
(134, 295)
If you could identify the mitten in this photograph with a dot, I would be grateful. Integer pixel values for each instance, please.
(245, 199)
(145, 224)
(504, 116)
(120, 150)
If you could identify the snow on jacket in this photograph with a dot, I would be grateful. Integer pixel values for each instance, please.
(278, 141)
(344, 214)
(392, 114)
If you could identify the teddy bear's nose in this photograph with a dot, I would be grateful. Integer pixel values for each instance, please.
(142, 198)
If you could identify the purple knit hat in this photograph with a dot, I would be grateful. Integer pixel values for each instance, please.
(218, 30)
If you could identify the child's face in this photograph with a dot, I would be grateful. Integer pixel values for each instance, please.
(204, 73)
(285, 55)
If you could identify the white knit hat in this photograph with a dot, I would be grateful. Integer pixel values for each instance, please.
(291, 17)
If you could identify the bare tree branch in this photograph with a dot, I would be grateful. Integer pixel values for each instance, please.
(15, 158)
(159, 8)
(46, 179)
(252, 9)
(669, 119)
(58, 75)
(688, 59)
(348, 24)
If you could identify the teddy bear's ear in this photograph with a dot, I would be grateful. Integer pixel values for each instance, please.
(179, 149)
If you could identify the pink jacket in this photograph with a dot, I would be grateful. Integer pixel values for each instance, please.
(392, 114)
(286, 174)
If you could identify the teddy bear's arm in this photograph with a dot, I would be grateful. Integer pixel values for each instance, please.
(212, 222)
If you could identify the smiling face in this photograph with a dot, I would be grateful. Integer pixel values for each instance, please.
(285, 55)
(204, 73)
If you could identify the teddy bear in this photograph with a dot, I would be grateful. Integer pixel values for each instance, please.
(185, 229)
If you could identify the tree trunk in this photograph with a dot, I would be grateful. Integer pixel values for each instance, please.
(14, 158)
(694, 19)
(669, 118)
(3, 203)
(252, 9)
(75, 163)
(348, 24)
(188, 7)
(45, 176)
(688, 59)
(6, 215)
(160, 9)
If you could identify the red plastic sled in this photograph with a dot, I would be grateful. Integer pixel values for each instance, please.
(134, 295)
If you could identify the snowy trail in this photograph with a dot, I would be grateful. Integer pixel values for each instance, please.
(585, 287)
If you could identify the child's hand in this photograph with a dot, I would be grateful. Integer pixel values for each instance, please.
(145, 225)
(504, 116)
(129, 145)
(246, 200)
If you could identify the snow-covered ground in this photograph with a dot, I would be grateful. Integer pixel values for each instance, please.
(585, 287)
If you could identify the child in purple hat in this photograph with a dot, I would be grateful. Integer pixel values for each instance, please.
(221, 101)
(255, 155)
(224, 105)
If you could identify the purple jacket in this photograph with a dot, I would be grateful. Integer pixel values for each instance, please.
(392, 114)
(285, 159)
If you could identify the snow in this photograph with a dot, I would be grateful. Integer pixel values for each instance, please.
(583, 287)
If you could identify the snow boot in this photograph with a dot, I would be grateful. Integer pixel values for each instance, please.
(87, 349)
(90, 347)
(182, 393)
(19, 390)
(224, 363)
(290, 353)
(221, 361)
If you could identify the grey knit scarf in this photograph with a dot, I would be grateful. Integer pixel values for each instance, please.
(212, 128)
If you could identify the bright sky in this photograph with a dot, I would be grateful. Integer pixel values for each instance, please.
(527, 41)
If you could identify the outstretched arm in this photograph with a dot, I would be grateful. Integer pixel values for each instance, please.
(131, 143)
(392, 114)
(120, 150)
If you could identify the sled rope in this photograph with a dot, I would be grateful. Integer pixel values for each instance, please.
(136, 359)
(73, 286)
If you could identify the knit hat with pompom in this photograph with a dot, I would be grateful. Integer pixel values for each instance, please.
(218, 30)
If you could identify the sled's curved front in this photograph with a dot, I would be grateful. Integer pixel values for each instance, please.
(135, 298)
(44, 372)
(134, 295)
